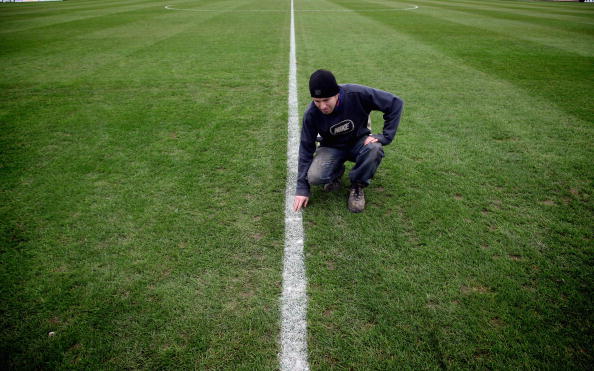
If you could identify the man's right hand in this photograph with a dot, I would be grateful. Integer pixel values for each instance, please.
(300, 202)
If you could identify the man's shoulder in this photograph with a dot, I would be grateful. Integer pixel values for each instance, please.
(366, 93)
(356, 92)
(355, 88)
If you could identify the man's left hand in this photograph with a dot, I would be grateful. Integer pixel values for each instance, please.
(370, 139)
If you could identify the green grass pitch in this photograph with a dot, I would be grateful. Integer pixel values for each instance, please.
(143, 165)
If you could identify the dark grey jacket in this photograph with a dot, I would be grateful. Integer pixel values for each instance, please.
(346, 124)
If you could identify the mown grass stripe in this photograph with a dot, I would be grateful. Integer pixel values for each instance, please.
(551, 7)
(544, 32)
(116, 41)
(564, 22)
(527, 64)
(39, 19)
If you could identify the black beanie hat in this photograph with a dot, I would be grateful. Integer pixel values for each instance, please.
(322, 84)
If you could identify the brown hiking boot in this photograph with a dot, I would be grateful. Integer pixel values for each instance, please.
(335, 184)
(356, 202)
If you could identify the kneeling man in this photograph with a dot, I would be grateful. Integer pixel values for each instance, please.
(339, 114)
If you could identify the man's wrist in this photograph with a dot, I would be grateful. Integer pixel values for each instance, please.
(301, 193)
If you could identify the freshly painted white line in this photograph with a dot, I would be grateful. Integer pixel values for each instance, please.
(413, 7)
(293, 337)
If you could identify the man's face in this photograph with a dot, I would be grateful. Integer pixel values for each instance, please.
(326, 105)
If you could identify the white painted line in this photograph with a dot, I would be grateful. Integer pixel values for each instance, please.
(413, 7)
(293, 337)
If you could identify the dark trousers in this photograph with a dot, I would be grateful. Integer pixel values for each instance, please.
(328, 162)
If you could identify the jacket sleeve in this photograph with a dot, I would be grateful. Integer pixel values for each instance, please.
(307, 147)
(391, 106)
